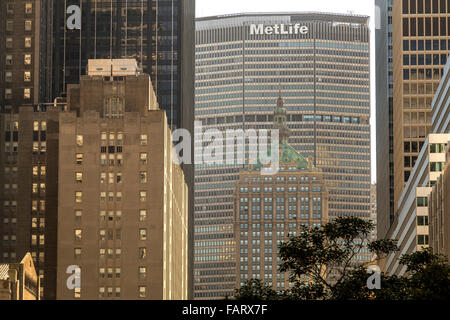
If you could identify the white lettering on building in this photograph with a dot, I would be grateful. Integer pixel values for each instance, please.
(74, 18)
(260, 29)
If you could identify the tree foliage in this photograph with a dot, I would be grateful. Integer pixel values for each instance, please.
(321, 265)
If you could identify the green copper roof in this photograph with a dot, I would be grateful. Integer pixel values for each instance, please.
(288, 155)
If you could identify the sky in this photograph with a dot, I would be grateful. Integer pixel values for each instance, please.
(364, 7)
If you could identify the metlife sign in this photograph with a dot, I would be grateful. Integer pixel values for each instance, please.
(288, 29)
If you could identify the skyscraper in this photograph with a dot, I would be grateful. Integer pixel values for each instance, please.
(45, 45)
(158, 34)
(421, 44)
(385, 117)
(321, 63)
(269, 209)
(123, 202)
(20, 47)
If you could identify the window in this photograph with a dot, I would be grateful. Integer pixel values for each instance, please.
(79, 158)
(143, 177)
(119, 159)
(142, 253)
(117, 292)
(28, 8)
(422, 220)
(27, 59)
(10, 8)
(437, 148)
(9, 43)
(144, 158)
(79, 177)
(120, 138)
(78, 214)
(9, 25)
(143, 196)
(142, 234)
(144, 139)
(27, 76)
(8, 76)
(102, 234)
(9, 60)
(79, 140)
(422, 201)
(114, 107)
(8, 93)
(142, 292)
(436, 166)
(78, 197)
(422, 239)
(27, 42)
(27, 93)
(28, 25)
(119, 177)
(78, 234)
(77, 293)
(77, 253)
(142, 272)
(142, 215)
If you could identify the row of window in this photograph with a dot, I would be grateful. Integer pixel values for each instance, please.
(26, 93)
(112, 137)
(9, 42)
(422, 74)
(428, 45)
(26, 76)
(111, 253)
(425, 6)
(110, 292)
(26, 59)
(110, 234)
(111, 196)
(10, 7)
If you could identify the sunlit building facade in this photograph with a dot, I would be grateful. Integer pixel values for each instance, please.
(321, 64)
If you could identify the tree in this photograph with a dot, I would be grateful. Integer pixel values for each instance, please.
(428, 275)
(326, 256)
(255, 289)
(321, 265)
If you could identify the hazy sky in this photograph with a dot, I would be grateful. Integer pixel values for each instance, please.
(365, 7)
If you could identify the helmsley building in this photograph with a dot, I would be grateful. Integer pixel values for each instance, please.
(321, 64)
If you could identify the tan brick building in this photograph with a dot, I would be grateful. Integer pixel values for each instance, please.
(269, 208)
(123, 214)
(421, 45)
(19, 281)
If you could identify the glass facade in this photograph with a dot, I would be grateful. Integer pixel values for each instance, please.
(149, 31)
(324, 78)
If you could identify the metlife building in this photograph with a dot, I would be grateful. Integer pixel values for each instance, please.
(321, 64)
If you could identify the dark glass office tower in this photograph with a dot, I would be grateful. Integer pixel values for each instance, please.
(158, 34)
(385, 116)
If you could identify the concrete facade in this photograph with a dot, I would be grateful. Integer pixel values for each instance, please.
(421, 45)
(439, 211)
(123, 215)
(411, 223)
